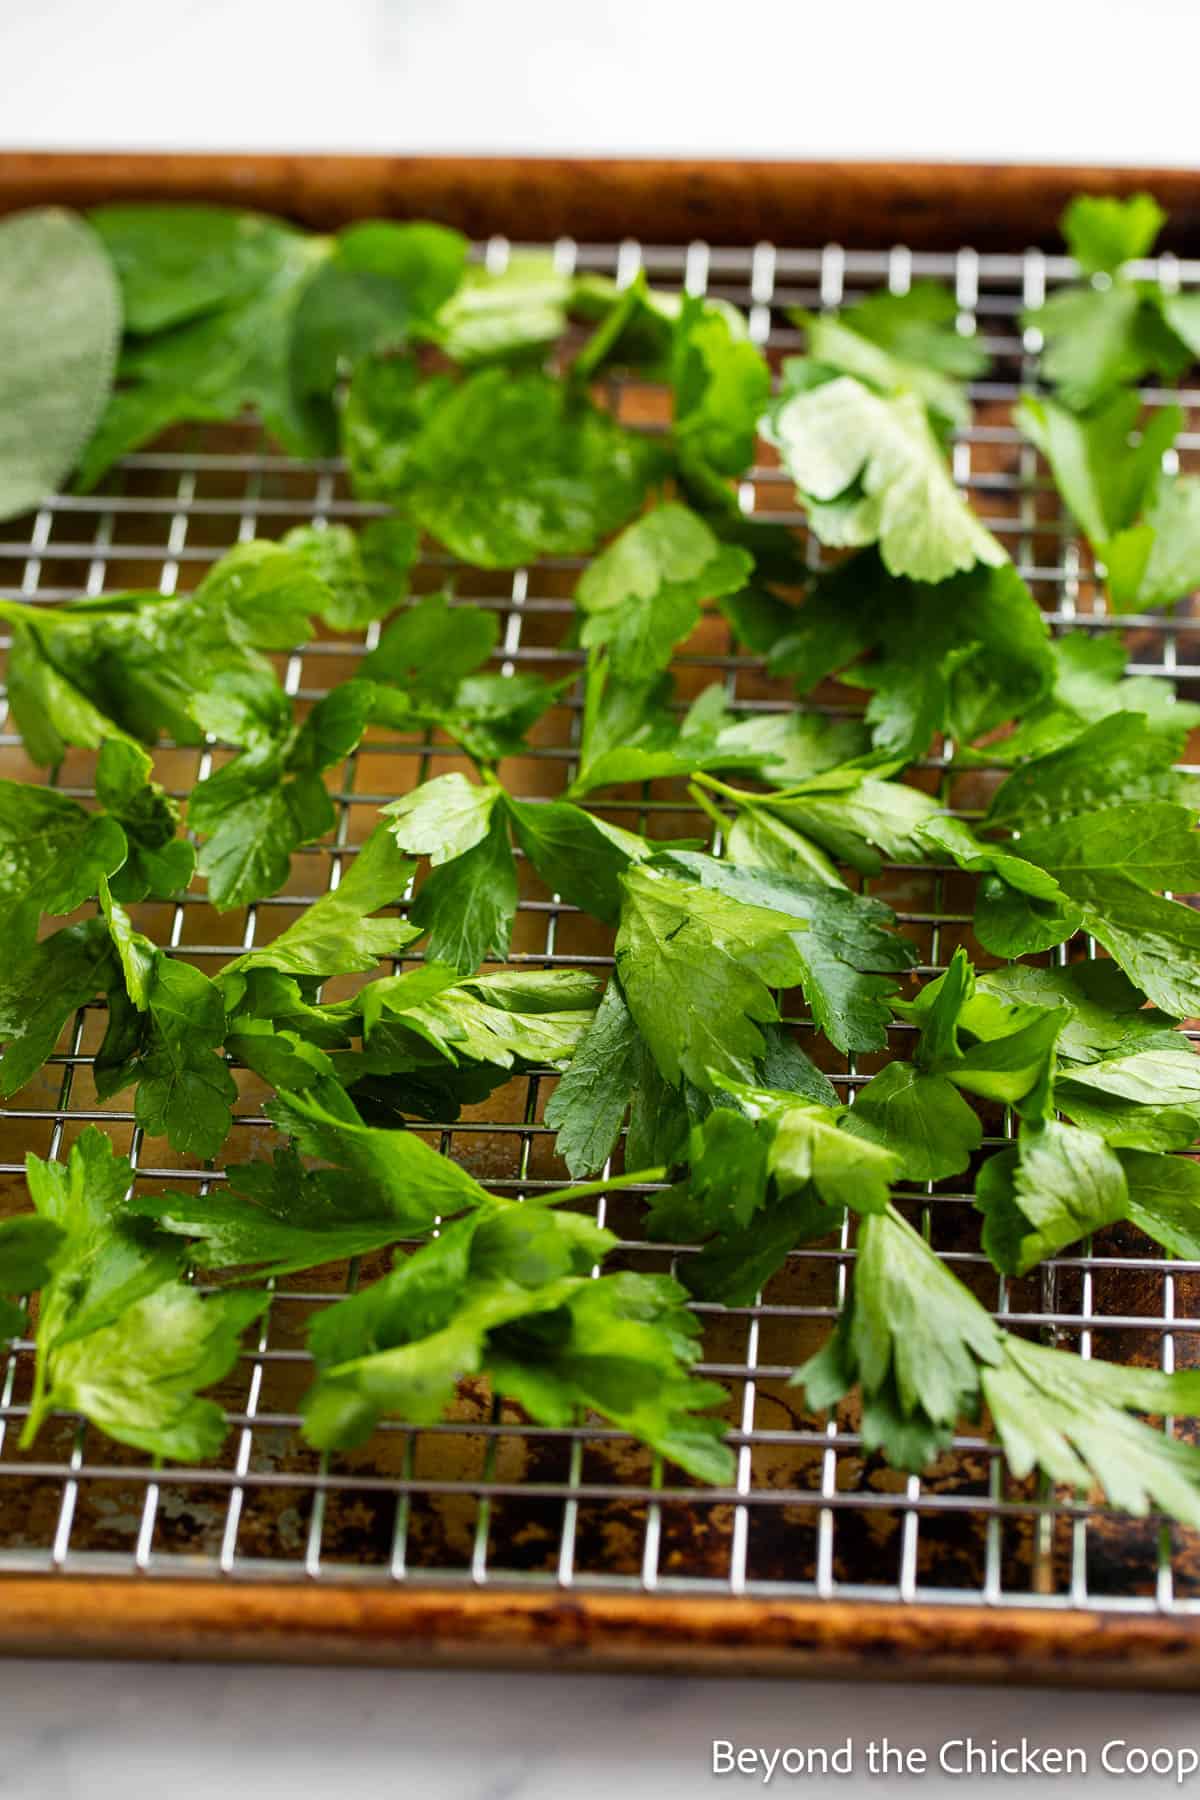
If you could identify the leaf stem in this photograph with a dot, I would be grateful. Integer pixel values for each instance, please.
(739, 796)
(584, 1189)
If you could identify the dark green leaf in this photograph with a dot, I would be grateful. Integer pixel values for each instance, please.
(921, 1118)
(844, 944)
(591, 1098)
(468, 905)
(39, 995)
(578, 855)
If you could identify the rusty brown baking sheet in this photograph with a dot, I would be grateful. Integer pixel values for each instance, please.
(484, 1539)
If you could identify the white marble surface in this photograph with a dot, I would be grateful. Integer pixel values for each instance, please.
(1063, 80)
(136, 1732)
(1032, 79)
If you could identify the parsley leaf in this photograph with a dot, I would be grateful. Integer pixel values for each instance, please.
(137, 1379)
(184, 1088)
(221, 348)
(928, 1354)
(382, 285)
(960, 657)
(1110, 864)
(119, 1338)
(532, 1017)
(1164, 1199)
(854, 815)
(507, 1291)
(468, 904)
(630, 736)
(1088, 684)
(259, 808)
(288, 1217)
(52, 852)
(1057, 1184)
(1147, 1099)
(721, 384)
(1106, 1013)
(920, 1117)
(1143, 524)
(431, 646)
(442, 818)
(361, 576)
(336, 935)
(846, 945)
(1103, 233)
(592, 1097)
(1112, 331)
(517, 311)
(27, 1246)
(641, 596)
(576, 853)
(37, 997)
(511, 467)
(871, 470)
(897, 341)
(138, 664)
(392, 1171)
(1120, 758)
(158, 862)
(696, 966)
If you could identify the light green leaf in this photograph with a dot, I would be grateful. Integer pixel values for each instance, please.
(60, 328)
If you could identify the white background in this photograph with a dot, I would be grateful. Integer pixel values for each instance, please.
(1057, 80)
(1064, 80)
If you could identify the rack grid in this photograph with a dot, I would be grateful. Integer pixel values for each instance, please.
(484, 1497)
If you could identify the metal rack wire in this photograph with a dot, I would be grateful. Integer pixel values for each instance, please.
(484, 1497)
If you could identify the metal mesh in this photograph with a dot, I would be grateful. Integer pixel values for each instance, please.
(484, 1496)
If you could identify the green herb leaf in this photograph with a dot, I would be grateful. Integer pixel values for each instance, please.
(894, 342)
(1164, 1200)
(511, 467)
(960, 657)
(641, 596)
(1057, 1185)
(383, 285)
(52, 853)
(879, 460)
(37, 997)
(845, 944)
(578, 855)
(468, 904)
(225, 344)
(507, 1291)
(517, 312)
(592, 1097)
(1102, 233)
(696, 967)
(1088, 684)
(336, 935)
(60, 327)
(1147, 1100)
(119, 1339)
(721, 384)
(921, 1118)
(259, 808)
(363, 576)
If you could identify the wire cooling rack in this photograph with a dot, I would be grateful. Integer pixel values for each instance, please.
(484, 1497)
